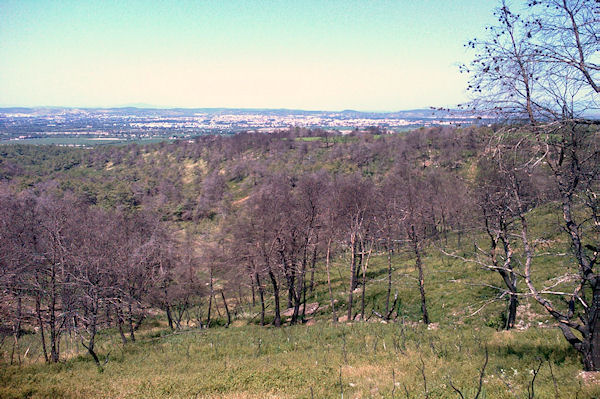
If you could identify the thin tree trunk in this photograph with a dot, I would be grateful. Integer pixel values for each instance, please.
(17, 332)
(15, 348)
(54, 334)
(90, 347)
(352, 276)
(261, 295)
(389, 285)
(300, 291)
(511, 317)
(290, 276)
(108, 319)
(444, 227)
(92, 330)
(365, 265)
(226, 309)
(277, 320)
(217, 306)
(253, 292)
(312, 269)
(169, 316)
(38, 310)
(419, 265)
(238, 299)
(210, 297)
(359, 250)
(138, 323)
(130, 319)
(119, 321)
(327, 258)
(92, 353)
(592, 343)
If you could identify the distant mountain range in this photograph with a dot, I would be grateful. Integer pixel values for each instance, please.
(145, 111)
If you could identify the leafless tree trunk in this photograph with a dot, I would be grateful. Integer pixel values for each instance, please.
(389, 282)
(416, 244)
(364, 266)
(352, 274)
(120, 323)
(277, 320)
(226, 309)
(41, 325)
(327, 264)
(211, 295)
(261, 294)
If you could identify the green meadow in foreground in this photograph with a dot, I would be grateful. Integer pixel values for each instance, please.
(322, 361)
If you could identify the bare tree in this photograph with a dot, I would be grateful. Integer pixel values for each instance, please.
(51, 270)
(501, 179)
(256, 240)
(561, 38)
(573, 156)
(538, 62)
(418, 224)
(16, 234)
(354, 199)
(332, 231)
(92, 273)
(571, 38)
(504, 71)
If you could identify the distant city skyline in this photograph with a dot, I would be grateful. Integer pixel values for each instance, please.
(310, 55)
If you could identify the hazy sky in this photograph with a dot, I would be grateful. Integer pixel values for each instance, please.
(322, 54)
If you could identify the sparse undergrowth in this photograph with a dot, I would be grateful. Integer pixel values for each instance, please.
(372, 360)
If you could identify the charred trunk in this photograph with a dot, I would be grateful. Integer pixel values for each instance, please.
(419, 264)
(352, 278)
(131, 326)
(332, 301)
(590, 347)
(226, 309)
(389, 285)
(210, 297)
(38, 310)
(261, 295)
(169, 316)
(511, 315)
(312, 270)
(277, 320)
(120, 325)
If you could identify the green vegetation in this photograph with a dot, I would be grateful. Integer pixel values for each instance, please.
(437, 263)
(258, 362)
(206, 192)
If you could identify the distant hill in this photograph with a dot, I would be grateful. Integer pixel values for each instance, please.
(133, 110)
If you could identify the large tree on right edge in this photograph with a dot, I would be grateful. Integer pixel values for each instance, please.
(540, 66)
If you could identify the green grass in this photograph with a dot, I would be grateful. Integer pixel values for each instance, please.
(259, 362)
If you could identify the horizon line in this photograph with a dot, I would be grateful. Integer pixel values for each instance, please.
(150, 107)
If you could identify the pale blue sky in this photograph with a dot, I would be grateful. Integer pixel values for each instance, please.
(322, 54)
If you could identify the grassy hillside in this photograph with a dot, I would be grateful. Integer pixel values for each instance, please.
(205, 187)
(371, 359)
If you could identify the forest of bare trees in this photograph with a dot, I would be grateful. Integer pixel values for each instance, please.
(75, 265)
(72, 265)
